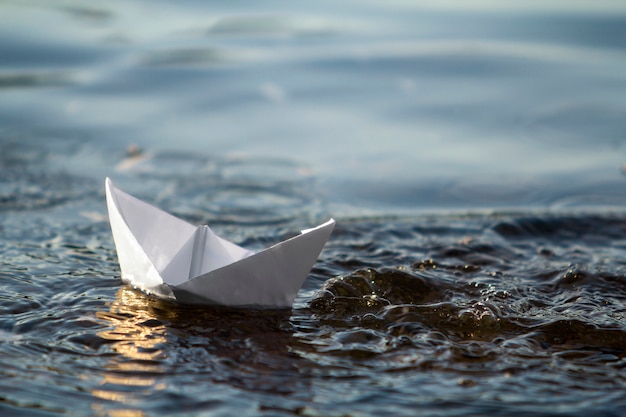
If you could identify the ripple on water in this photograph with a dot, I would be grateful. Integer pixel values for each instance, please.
(466, 314)
(483, 306)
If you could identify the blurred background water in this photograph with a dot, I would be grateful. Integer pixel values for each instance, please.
(476, 146)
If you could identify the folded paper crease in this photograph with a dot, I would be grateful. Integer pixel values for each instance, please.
(161, 253)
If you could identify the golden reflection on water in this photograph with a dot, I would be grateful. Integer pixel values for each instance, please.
(137, 336)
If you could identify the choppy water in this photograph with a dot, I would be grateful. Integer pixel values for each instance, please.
(472, 156)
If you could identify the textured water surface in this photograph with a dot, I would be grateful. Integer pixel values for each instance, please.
(522, 312)
(472, 154)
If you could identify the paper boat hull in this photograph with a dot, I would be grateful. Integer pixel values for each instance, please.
(161, 254)
(271, 277)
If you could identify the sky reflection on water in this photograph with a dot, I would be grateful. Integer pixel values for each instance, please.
(411, 96)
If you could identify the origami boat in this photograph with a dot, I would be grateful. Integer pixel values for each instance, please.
(164, 255)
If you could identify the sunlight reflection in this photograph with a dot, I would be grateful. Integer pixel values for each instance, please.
(137, 336)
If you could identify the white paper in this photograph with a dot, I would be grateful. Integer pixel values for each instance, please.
(162, 254)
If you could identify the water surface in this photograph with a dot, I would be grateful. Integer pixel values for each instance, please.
(471, 154)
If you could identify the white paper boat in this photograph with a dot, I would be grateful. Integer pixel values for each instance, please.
(167, 256)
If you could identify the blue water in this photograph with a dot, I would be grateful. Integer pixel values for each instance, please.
(400, 105)
(476, 147)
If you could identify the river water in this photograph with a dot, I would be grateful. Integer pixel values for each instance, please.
(472, 154)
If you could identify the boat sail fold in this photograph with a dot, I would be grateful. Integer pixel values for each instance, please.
(162, 254)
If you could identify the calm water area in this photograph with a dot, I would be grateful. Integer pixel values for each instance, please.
(472, 154)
